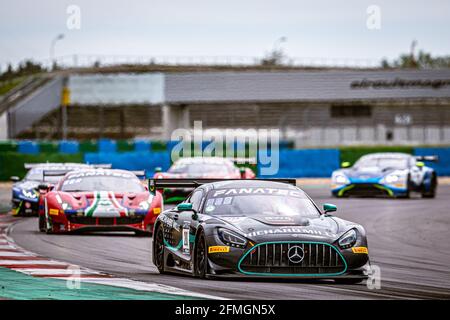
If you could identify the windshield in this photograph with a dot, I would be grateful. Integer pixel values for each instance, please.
(260, 201)
(105, 183)
(200, 168)
(383, 163)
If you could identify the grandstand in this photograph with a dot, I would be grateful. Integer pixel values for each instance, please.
(313, 107)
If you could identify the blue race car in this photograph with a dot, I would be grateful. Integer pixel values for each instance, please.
(385, 174)
(25, 193)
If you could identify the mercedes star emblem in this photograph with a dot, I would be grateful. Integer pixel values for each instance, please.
(296, 254)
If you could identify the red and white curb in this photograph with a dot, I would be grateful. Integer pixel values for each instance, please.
(18, 259)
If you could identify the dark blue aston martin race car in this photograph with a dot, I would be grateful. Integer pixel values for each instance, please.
(25, 193)
(386, 174)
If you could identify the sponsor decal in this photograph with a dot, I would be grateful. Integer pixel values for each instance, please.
(100, 173)
(293, 230)
(105, 204)
(185, 234)
(218, 249)
(54, 212)
(399, 83)
(233, 219)
(256, 191)
(156, 210)
(362, 250)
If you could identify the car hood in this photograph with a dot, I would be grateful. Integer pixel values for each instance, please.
(105, 204)
(26, 184)
(367, 173)
(283, 228)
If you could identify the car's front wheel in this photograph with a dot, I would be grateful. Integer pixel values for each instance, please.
(201, 257)
(158, 248)
(432, 192)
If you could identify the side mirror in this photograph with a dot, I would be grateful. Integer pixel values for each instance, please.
(14, 178)
(345, 164)
(187, 207)
(420, 164)
(158, 169)
(328, 207)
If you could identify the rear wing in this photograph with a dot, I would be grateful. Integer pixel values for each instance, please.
(427, 158)
(55, 173)
(61, 164)
(101, 166)
(242, 160)
(155, 184)
(141, 174)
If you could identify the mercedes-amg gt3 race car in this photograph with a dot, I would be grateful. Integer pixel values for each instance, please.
(100, 200)
(256, 228)
(201, 167)
(25, 193)
(386, 174)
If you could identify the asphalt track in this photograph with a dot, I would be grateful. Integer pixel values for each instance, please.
(408, 241)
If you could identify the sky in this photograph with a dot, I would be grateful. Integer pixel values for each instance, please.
(247, 28)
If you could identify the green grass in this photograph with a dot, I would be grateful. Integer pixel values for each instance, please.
(8, 85)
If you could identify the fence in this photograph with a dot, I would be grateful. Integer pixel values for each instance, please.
(144, 154)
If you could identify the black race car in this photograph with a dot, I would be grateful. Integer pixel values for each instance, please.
(255, 228)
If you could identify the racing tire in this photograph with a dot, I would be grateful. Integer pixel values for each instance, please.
(158, 250)
(349, 280)
(201, 257)
(432, 192)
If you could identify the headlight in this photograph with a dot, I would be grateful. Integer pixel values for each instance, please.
(144, 205)
(66, 206)
(231, 238)
(392, 178)
(348, 240)
(341, 179)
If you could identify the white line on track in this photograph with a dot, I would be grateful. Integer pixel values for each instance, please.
(151, 287)
(54, 272)
(17, 254)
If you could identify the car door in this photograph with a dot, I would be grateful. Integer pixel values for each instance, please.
(183, 229)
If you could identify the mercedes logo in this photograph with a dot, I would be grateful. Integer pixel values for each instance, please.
(296, 254)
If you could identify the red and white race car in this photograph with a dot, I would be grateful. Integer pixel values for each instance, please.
(201, 167)
(99, 200)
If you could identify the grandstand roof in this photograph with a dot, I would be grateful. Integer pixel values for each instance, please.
(306, 85)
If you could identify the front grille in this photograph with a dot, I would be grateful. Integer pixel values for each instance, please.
(366, 189)
(93, 221)
(318, 258)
